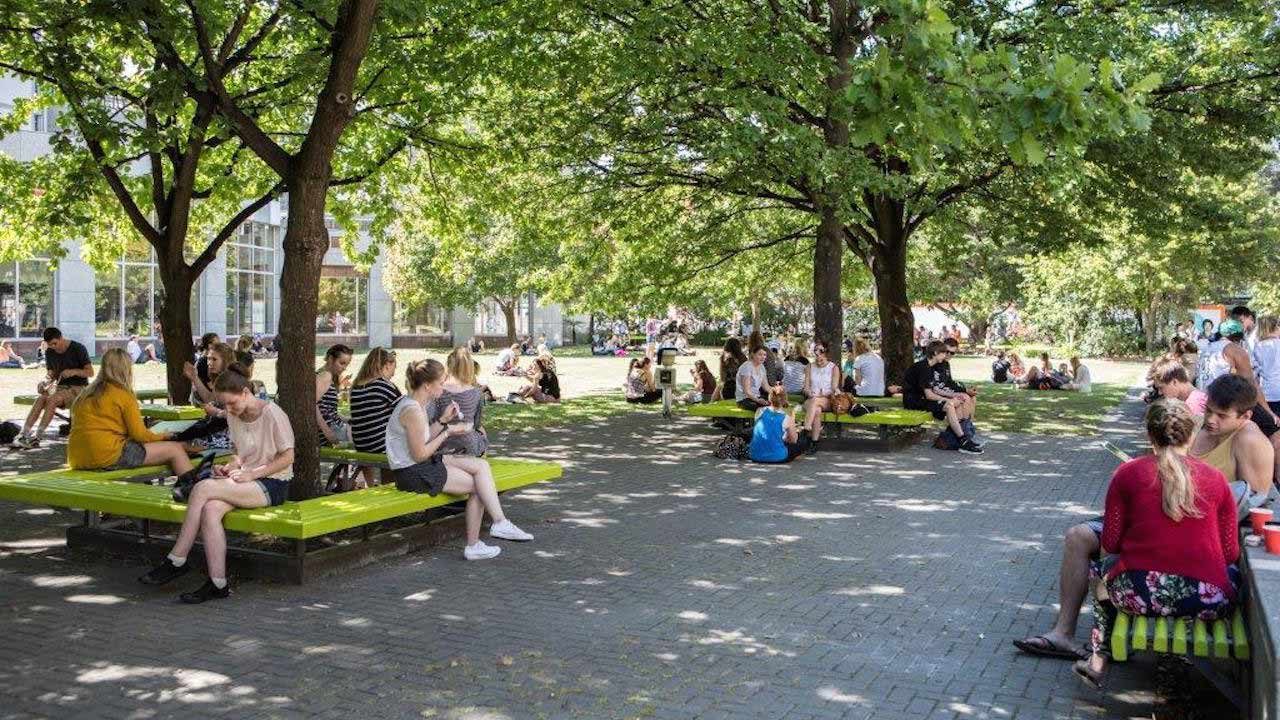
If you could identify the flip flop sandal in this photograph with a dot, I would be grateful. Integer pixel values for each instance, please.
(1041, 646)
(1082, 671)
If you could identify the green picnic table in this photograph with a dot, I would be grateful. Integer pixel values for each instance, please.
(143, 395)
(172, 412)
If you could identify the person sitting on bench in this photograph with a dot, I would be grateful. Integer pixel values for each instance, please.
(640, 387)
(774, 438)
(373, 395)
(821, 380)
(922, 390)
(945, 384)
(751, 385)
(413, 452)
(211, 433)
(1231, 442)
(1170, 536)
(794, 367)
(257, 476)
(461, 390)
(1170, 380)
(108, 432)
(508, 362)
(68, 371)
(866, 378)
(731, 358)
(333, 429)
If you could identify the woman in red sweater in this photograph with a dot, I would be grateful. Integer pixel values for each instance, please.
(1169, 535)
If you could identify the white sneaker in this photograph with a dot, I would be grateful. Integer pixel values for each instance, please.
(27, 442)
(507, 530)
(480, 551)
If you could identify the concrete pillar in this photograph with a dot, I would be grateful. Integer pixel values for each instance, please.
(74, 302)
(379, 314)
(214, 298)
(531, 319)
(462, 323)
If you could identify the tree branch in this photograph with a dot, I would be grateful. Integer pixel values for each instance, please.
(211, 250)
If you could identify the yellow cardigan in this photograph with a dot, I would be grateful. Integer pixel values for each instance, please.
(102, 424)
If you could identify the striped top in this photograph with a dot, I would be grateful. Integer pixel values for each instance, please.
(328, 405)
(371, 406)
(471, 410)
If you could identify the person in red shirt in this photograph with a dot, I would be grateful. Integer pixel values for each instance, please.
(1169, 532)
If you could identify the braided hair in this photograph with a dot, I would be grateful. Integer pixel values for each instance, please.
(1170, 426)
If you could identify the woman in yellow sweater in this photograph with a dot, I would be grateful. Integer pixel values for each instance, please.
(108, 432)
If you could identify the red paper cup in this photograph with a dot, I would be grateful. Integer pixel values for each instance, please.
(1272, 534)
(1259, 517)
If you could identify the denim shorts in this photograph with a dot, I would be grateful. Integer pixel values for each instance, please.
(277, 491)
(132, 455)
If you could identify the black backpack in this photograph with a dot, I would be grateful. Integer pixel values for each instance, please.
(8, 432)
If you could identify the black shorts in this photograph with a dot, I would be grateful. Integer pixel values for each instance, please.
(425, 477)
(937, 408)
(277, 491)
(1264, 421)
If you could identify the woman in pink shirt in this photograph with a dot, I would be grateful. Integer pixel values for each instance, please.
(258, 476)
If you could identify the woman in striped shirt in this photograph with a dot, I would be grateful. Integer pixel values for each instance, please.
(373, 395)
(333, 429)
(460, 389)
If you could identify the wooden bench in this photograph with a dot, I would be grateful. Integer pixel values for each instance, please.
(296, 522)
(885, 420)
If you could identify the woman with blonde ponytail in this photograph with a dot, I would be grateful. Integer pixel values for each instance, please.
(1169, 534)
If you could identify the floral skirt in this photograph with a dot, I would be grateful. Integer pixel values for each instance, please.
(1156, 594)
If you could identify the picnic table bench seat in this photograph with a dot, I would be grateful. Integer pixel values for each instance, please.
(143, 395)
(888, 417)
(1189, 637)
(109, 492)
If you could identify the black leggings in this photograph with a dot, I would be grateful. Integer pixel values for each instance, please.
(794, 450)
(650, 397)
(749, 404)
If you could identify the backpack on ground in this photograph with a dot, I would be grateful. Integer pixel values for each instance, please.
(947, 440)
(8, 432)
(731, 447)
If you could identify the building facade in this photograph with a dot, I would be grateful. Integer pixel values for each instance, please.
(237, 294)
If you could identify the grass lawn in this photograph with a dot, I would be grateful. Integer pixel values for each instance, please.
(1002, 408)
(503, 417)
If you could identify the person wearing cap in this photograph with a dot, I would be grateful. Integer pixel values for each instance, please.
(1238, 362)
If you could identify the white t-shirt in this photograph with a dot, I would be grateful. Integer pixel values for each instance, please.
(398, 454)
(258, 443)
(505, 358)
(872, 368)
(749, 375)
(134, 350)
(1266, 363)
(1083, 380)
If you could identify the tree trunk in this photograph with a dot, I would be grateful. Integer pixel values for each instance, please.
(978, 330)
(755, 316)
(176, 331)
(509, 314)
(828, 308)
(305, 242)
(889, 270)
(591, 328)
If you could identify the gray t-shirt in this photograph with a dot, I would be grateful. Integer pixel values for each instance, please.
(749, 375)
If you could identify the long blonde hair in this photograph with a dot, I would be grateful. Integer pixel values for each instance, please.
(117, 369)
(460, 365)
(371, 369)
(1170, 426)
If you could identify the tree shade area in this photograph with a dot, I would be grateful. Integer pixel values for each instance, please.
(1100, 166)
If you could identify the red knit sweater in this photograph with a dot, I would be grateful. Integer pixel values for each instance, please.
(1137, 530)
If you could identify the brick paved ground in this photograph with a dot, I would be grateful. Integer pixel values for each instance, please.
(663, 583)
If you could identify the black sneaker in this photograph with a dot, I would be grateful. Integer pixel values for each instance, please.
(164, 572)
(969, 447)
(207, 591)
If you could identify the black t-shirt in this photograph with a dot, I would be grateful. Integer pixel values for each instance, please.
(75, 358)
(942, 377)
(1000, 371)
(918, 377)
(549, 384)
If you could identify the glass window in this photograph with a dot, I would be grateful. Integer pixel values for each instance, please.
(251, 279)
(423, 320)
(35, 297)
(10, 318)
(341, 308)
(106, 312)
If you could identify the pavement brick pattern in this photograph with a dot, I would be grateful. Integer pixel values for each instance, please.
(663, 583)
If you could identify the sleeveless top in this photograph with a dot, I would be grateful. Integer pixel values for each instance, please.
(820, 379)
(767, 437)
(1222, 457)
(398, 454)
(1213, 363)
